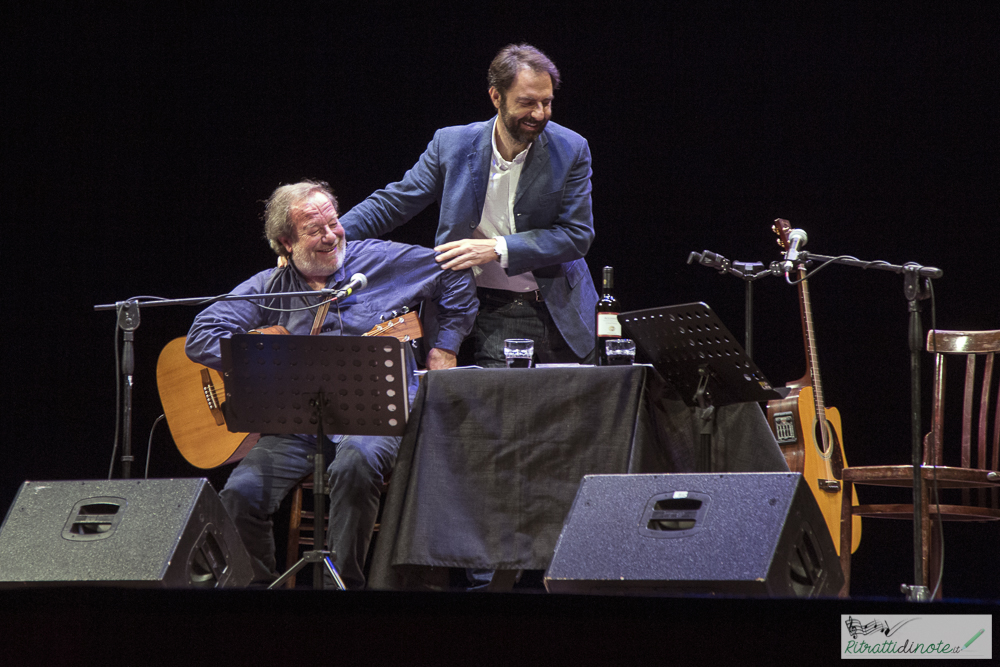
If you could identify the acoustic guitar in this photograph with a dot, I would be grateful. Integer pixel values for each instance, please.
(191, 395)
(808, 432)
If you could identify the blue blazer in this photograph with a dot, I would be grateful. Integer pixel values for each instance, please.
(552, 210)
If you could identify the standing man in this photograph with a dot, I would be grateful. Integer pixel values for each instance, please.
(514, 193)
(302, 226)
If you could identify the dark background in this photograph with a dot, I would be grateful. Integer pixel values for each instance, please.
(139, 141)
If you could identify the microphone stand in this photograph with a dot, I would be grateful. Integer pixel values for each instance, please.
(749, 272)
(128, 321)
(916, 288)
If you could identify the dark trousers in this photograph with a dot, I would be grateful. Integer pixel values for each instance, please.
(356, 474)
(505, 315)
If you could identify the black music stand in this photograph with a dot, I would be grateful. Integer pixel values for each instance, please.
(350, 385)
(694, 351)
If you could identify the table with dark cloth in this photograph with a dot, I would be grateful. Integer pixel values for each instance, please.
(492, 458)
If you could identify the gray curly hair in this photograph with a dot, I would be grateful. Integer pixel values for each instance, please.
(278, 210)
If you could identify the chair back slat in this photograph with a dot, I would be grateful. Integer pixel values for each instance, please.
(982, 461)
(995, 463)
(968, 400)
(932, 445)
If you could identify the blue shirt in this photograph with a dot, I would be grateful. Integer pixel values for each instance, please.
(398, 275)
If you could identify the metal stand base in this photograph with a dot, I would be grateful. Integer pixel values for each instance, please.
(312, 557)
(916, 593)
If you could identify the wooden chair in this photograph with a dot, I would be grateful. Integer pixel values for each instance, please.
(976, 470)
(300, 525)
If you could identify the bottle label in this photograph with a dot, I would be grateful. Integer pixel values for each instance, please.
(608, 325)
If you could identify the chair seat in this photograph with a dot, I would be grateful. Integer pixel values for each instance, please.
(947, 477)
(946, 512)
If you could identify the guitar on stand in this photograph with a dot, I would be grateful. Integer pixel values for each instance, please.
(809, 432)
(191, 395)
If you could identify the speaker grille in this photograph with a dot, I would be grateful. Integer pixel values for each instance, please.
(165, 532)
(758, 534)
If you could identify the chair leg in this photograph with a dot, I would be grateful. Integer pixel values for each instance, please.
(846, 526)
(294, 521)
(926, 522)
(934, 560)
(931, 544)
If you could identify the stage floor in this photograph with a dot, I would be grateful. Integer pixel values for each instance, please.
(122, 626)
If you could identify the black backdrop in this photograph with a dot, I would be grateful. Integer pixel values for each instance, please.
(140, 138)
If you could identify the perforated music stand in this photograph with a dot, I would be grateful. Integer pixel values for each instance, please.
(694, 351)
(350, 385)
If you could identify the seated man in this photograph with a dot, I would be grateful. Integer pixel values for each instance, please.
(302, 226)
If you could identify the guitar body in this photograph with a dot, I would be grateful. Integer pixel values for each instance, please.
(793, 420)
(197, 428)
(787, 429)
(191, 395)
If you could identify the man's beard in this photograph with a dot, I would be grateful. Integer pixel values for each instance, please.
(514, 128)
(310, 265)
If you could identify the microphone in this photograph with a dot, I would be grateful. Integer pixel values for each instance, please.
(796, 239)
(710, 259)
(358, 282)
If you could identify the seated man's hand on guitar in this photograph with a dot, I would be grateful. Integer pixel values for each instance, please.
(438, 359)
(467, 253)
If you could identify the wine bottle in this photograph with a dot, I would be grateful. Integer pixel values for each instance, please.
(606, 313)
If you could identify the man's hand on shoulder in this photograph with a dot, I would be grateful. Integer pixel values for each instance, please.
(438, 359)
(458, 255)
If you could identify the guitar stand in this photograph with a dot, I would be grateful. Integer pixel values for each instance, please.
(357, 386)
(692, 349)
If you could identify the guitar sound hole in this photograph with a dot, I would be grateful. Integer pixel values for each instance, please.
(832, 450)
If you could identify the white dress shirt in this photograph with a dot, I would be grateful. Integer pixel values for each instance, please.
(498, 222)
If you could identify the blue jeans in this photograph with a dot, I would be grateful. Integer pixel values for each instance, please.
(356, 474)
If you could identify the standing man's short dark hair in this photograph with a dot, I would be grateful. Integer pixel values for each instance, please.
(512, 58)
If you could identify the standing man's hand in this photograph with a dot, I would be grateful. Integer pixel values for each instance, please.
(466, 253)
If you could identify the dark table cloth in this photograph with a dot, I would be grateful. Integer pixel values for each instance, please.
(491, 461)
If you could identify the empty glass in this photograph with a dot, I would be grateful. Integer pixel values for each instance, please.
(621, 351)
(518, 352)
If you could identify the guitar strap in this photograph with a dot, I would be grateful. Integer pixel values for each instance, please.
(279, 282)
(321, 312)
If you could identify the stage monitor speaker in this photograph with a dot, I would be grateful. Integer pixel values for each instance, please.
(169, 533)
(739, 534)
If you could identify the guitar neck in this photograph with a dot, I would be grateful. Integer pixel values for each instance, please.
(812, 357)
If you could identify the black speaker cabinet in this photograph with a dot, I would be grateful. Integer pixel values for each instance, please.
(170, 533)
(741, 534)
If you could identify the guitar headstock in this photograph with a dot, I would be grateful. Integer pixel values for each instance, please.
(782, 227)
(405, 327)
